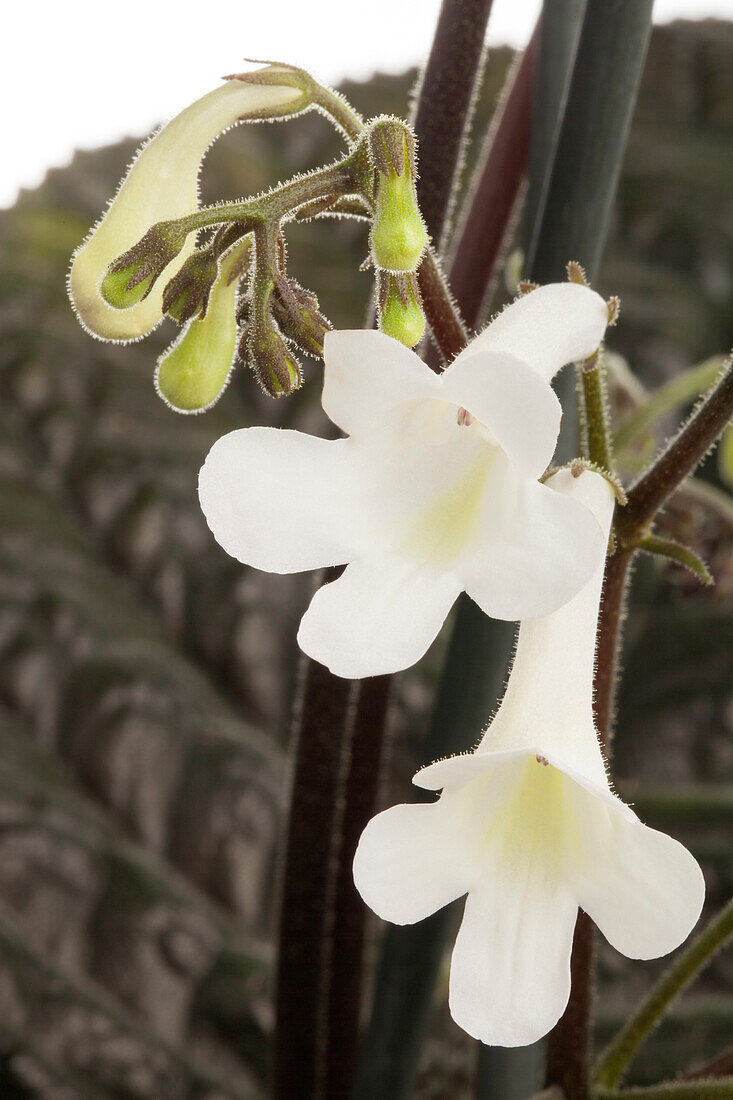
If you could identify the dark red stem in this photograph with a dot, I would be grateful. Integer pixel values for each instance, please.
(494, 189)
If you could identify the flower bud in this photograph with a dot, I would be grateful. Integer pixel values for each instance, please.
(129, 278)
(398, 236)
(193, 373)
(187, 294)
(296, 311)
(280, 75)
(276, 369)
(400, 308)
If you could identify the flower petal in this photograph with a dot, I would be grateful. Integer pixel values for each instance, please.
(380, 616)
(366, 374)
(161, 183)
(553, 325)
(456, 771)
(538, 548)
(510, 972)
(642, 888)
(520, 410)
(279, 500)
(409, 862)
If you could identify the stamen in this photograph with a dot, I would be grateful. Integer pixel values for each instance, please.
(464, 418)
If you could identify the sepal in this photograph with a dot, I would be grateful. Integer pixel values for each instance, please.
(400, 307)
(298, 317)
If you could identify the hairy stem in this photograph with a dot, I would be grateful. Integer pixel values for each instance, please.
(320, 731)
(444, 104)
(567, 1047)
(360, 785)
(446, 324)
(595, 405)
(493, 192)
(678, 460)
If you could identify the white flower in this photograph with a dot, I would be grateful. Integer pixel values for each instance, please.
(162, 184)
(434, 491)
(528, 827)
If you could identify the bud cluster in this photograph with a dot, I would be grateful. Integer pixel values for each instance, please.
(223, 308)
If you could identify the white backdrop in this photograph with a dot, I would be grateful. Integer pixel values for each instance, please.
(74, 77)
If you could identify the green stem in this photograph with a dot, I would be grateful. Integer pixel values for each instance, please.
(339, 110)
(346, 176)
(595, 405)
(613, 1062)
(673, 1090)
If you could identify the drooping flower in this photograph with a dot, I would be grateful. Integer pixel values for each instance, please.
(435, 490)
(162, 184)
(528, 827)
(192, 374)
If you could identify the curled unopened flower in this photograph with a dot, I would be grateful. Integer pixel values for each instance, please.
(187, 294)
(298, 316)
(161, 185)
(192, 374)
(528, 827)
(421, 499)
(275, 367)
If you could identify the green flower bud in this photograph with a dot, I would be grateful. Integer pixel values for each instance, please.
(400, 309)
(130, 278)
(398, 236)
(193, 373)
